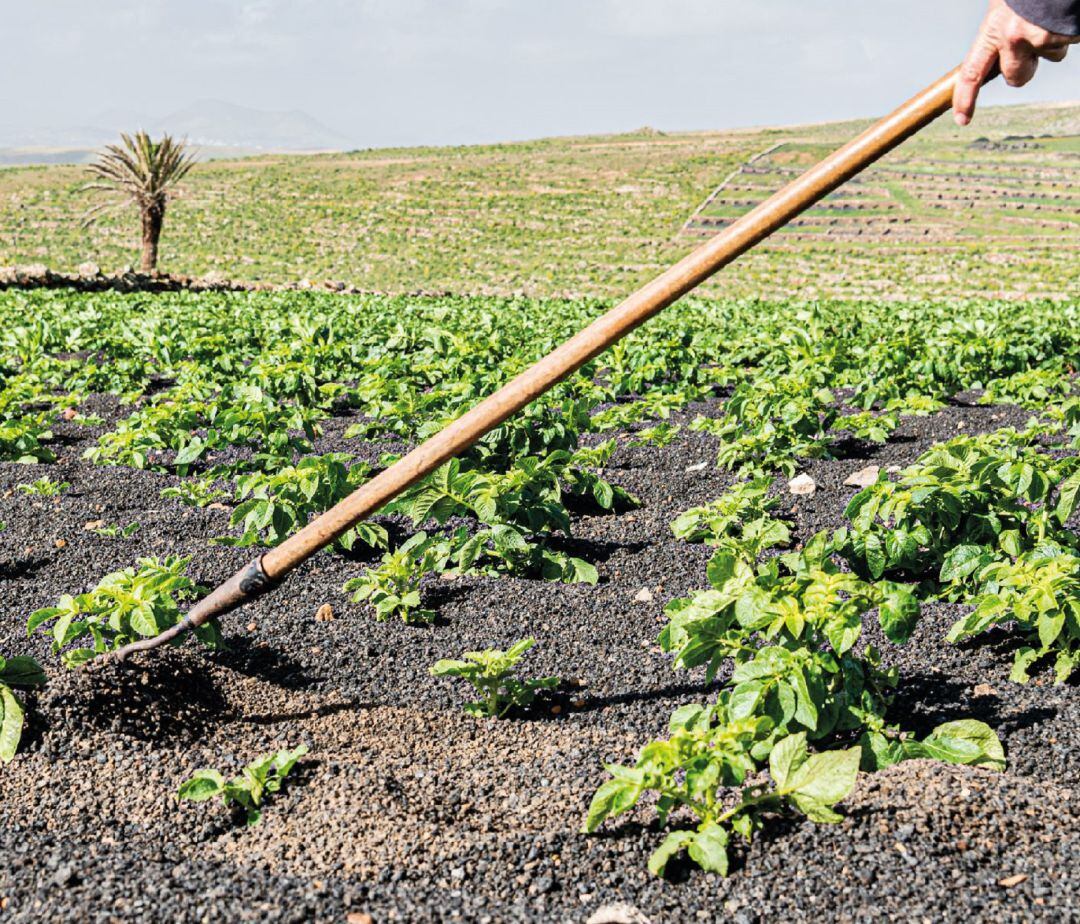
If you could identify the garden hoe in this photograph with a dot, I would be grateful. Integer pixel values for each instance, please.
(267, 572)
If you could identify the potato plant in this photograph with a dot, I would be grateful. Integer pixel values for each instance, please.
(491, 673)
(272, 506)
(43, 487)
(116, 531)
(195, 492)
(262, 777)
(706, 755)
(740, 521)
(788, 627)
(393, 588)
(136, 602)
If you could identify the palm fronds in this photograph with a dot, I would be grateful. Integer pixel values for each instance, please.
(141, 172)
(140, 169)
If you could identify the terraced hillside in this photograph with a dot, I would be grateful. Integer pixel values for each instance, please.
(1015, 201)
(991, 210)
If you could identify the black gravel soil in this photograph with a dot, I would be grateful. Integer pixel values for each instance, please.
(407, 810)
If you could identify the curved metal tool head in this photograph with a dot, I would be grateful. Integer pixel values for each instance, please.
(249, 582)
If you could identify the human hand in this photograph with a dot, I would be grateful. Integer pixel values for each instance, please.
(1009, 43)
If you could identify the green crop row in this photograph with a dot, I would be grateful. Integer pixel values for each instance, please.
(233, 394)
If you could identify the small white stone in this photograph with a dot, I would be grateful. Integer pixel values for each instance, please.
(644, 595)
(700, 467)
(863, 478)
(802, 484)
(619, 913)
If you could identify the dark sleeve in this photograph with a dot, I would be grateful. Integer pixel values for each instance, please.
(1062, 16)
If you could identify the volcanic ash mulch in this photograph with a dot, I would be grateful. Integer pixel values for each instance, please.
(408, 810)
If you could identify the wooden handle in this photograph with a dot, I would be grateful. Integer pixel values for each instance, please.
(691, 271)
(263, 574)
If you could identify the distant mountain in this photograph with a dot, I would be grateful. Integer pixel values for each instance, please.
(207, 123)
(215, 123)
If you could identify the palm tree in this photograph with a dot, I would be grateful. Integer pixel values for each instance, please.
(142, 172)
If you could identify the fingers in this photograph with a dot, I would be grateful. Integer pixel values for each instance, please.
(1018, 63)
(974, 72)
(1011, 43)
(1055, 53)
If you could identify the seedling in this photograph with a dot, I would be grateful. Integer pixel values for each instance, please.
(262, 777)
(195, 492)
(393, 588)
(20, 671)
(118, 532)
(491, 673)
(658, 436)
(43, 487)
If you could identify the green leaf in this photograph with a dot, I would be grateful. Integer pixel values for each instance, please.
(11, 723)
(966, 741)
(745, 699)
(78, 656)
(961, 561)
(806, 710)
(203, 785)
(284, 761)
(1023, 659)
(672, 845)
(1050, 626)
(879, 751)
(1068, 493)
(875, 555)
(583, 572)
(826, 777)
(143, 621)
(709, 849)
(23, 671)
(814, 809)
(898, 612)
(721, 569)
(190, 452)
(786, 757)
(611, 799)
(42, 616)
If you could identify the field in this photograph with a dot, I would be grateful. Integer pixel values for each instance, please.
(771, 611)
(597, 216)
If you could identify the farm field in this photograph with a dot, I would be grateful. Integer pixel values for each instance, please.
(990, 211)
(843, 529)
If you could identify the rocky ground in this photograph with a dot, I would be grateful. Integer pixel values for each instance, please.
(407, 810)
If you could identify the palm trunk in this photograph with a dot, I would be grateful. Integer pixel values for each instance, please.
(152, 220)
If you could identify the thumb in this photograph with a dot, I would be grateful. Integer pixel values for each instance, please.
(980, 63)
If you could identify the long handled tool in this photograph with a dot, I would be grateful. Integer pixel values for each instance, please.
(267, 571)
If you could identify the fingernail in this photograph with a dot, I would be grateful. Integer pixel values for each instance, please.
(961, 119)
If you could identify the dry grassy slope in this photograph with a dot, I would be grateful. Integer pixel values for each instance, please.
(590, 215)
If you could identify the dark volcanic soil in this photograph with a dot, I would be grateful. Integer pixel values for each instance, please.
(408, 810)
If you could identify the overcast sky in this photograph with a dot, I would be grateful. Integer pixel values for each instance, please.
(446, 71)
